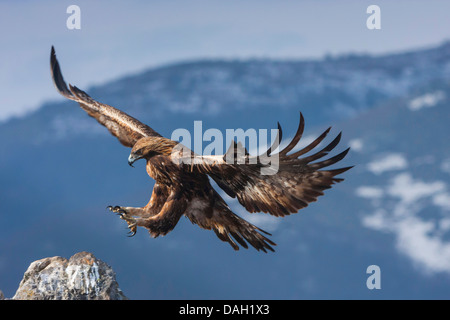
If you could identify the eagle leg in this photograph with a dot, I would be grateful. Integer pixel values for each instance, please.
(132, 224)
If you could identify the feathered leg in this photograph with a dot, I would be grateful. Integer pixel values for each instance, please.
(129, 214)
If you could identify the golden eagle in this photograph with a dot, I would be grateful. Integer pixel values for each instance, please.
(183, 188)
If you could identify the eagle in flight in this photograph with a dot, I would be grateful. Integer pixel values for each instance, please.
(183, 187)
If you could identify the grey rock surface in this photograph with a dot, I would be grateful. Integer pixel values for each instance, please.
(82, 277)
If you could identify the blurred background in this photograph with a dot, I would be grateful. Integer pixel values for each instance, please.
(234, 64)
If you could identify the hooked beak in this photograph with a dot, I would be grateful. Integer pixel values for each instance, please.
(132, 158)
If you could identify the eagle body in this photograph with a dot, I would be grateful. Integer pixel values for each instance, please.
(182, 178)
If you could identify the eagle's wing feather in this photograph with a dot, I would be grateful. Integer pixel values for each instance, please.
(296, 183)
(126, 128)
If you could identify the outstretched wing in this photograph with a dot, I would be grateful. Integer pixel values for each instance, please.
(294, 184)
(126, 128)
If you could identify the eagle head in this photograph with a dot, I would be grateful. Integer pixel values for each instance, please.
(149, 147)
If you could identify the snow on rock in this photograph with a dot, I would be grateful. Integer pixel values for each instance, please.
(82, 277)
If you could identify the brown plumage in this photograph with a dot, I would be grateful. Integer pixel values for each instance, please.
(181, 179)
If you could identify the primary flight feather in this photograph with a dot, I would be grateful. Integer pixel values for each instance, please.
(181, 179)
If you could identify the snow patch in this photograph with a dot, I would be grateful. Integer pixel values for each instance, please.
(64, 126)
(445, 165)
(407, 190)
(369, 192)
(442, 200)
(422, 239)
(356, 145)
(393, 161)
(426, 100)
(417, 240)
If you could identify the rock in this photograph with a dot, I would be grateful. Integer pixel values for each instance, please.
(82, 277)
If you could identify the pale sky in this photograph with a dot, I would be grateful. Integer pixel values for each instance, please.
(124, 37)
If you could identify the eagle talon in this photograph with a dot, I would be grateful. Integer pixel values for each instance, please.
(132, 224)
(133, 229)
(116, 209)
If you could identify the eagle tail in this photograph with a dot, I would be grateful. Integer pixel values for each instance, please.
(235, 229)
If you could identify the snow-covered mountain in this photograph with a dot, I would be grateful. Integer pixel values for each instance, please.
(404, 151)
(60, 169)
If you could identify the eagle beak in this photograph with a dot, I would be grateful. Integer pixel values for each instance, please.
(131, 159)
